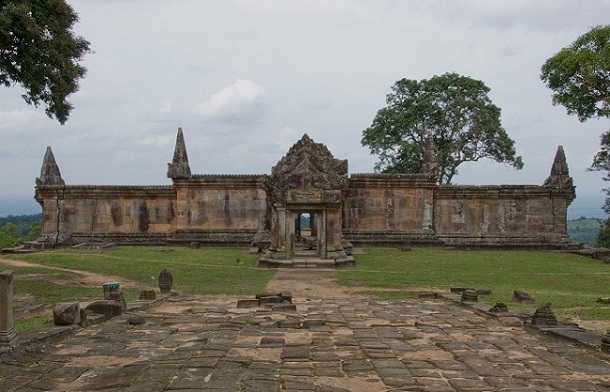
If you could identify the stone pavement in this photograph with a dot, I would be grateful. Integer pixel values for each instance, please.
(333, 344)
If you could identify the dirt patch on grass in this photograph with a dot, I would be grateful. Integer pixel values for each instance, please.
(84, 278)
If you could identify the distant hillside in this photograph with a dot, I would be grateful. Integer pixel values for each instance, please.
(584, 230)
(23, 222)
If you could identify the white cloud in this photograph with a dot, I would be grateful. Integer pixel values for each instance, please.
(18, 121)
(288, 136)
(242, 102)
(157, 140)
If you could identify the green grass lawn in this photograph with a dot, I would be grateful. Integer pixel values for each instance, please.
(194, 271)
(571, 283)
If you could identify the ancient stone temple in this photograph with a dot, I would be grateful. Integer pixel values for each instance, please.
(266, 209)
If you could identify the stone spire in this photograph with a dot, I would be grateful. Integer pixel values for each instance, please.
(49, 173)
(428, 163)
(179, 168)
(560, 174)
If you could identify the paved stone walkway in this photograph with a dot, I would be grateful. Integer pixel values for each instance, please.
(341, 344)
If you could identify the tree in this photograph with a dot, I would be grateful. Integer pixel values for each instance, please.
(454, 110)
(579, 76)
(9, 236)
(39, 52)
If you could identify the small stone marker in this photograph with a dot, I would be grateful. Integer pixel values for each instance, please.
(110, 287)
(522, 297)
(165, 281)
(66, 313)
(469, 296)
(544, 316)
(118, 296)
(148, 295)
(136, 319)
(8, 337)
(499, 307)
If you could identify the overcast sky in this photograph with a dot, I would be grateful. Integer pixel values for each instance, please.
(246, 79)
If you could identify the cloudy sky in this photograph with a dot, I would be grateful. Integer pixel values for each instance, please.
(246, 79)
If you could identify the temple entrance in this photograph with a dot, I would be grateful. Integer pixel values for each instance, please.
(307, 187)
(307, 242)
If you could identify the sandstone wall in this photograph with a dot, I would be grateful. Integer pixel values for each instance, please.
(521, 214)
(82, 211)
(222, 202)
(388, 202)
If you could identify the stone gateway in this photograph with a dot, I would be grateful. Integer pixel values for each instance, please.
(266, 209)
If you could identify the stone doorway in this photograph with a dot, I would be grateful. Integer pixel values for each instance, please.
(308, 180)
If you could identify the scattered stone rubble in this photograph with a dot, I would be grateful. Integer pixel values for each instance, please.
(274, 301)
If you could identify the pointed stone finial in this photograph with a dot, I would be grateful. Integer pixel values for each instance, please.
(49, 173)
(428, 164)
(560, 174)
(179, 168)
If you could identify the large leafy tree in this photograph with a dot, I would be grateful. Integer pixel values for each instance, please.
(39, 51)
(454, 110)
(579, 76)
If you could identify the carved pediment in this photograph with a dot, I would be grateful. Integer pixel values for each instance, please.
(308, 166)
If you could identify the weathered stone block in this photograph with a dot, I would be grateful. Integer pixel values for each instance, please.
(544, 316)
(312, 323)
(469, 296)
(248, 303)
(282, 307)
(499, 307)
(148, 295)
(522, 297)
(275, 299)
(136, 319)
(66, 313)
(108, 308)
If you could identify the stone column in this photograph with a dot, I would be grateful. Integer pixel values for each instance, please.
(322, 240)
(7, 329)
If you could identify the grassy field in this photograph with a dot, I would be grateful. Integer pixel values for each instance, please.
(571, 283)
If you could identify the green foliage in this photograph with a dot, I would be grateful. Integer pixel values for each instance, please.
(571, 283)
(39, 51)
(17, 229)
(9, 236)
(585, 230)
(455, 110)
(578, 75)
(579, 78)
(24, 223)
(603, 238)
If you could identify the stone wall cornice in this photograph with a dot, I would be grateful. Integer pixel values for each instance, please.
(377, 180)
(223, 181)
(97, 191)
(499, 191)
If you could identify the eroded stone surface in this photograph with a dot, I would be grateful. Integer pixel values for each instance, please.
(361, 345)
